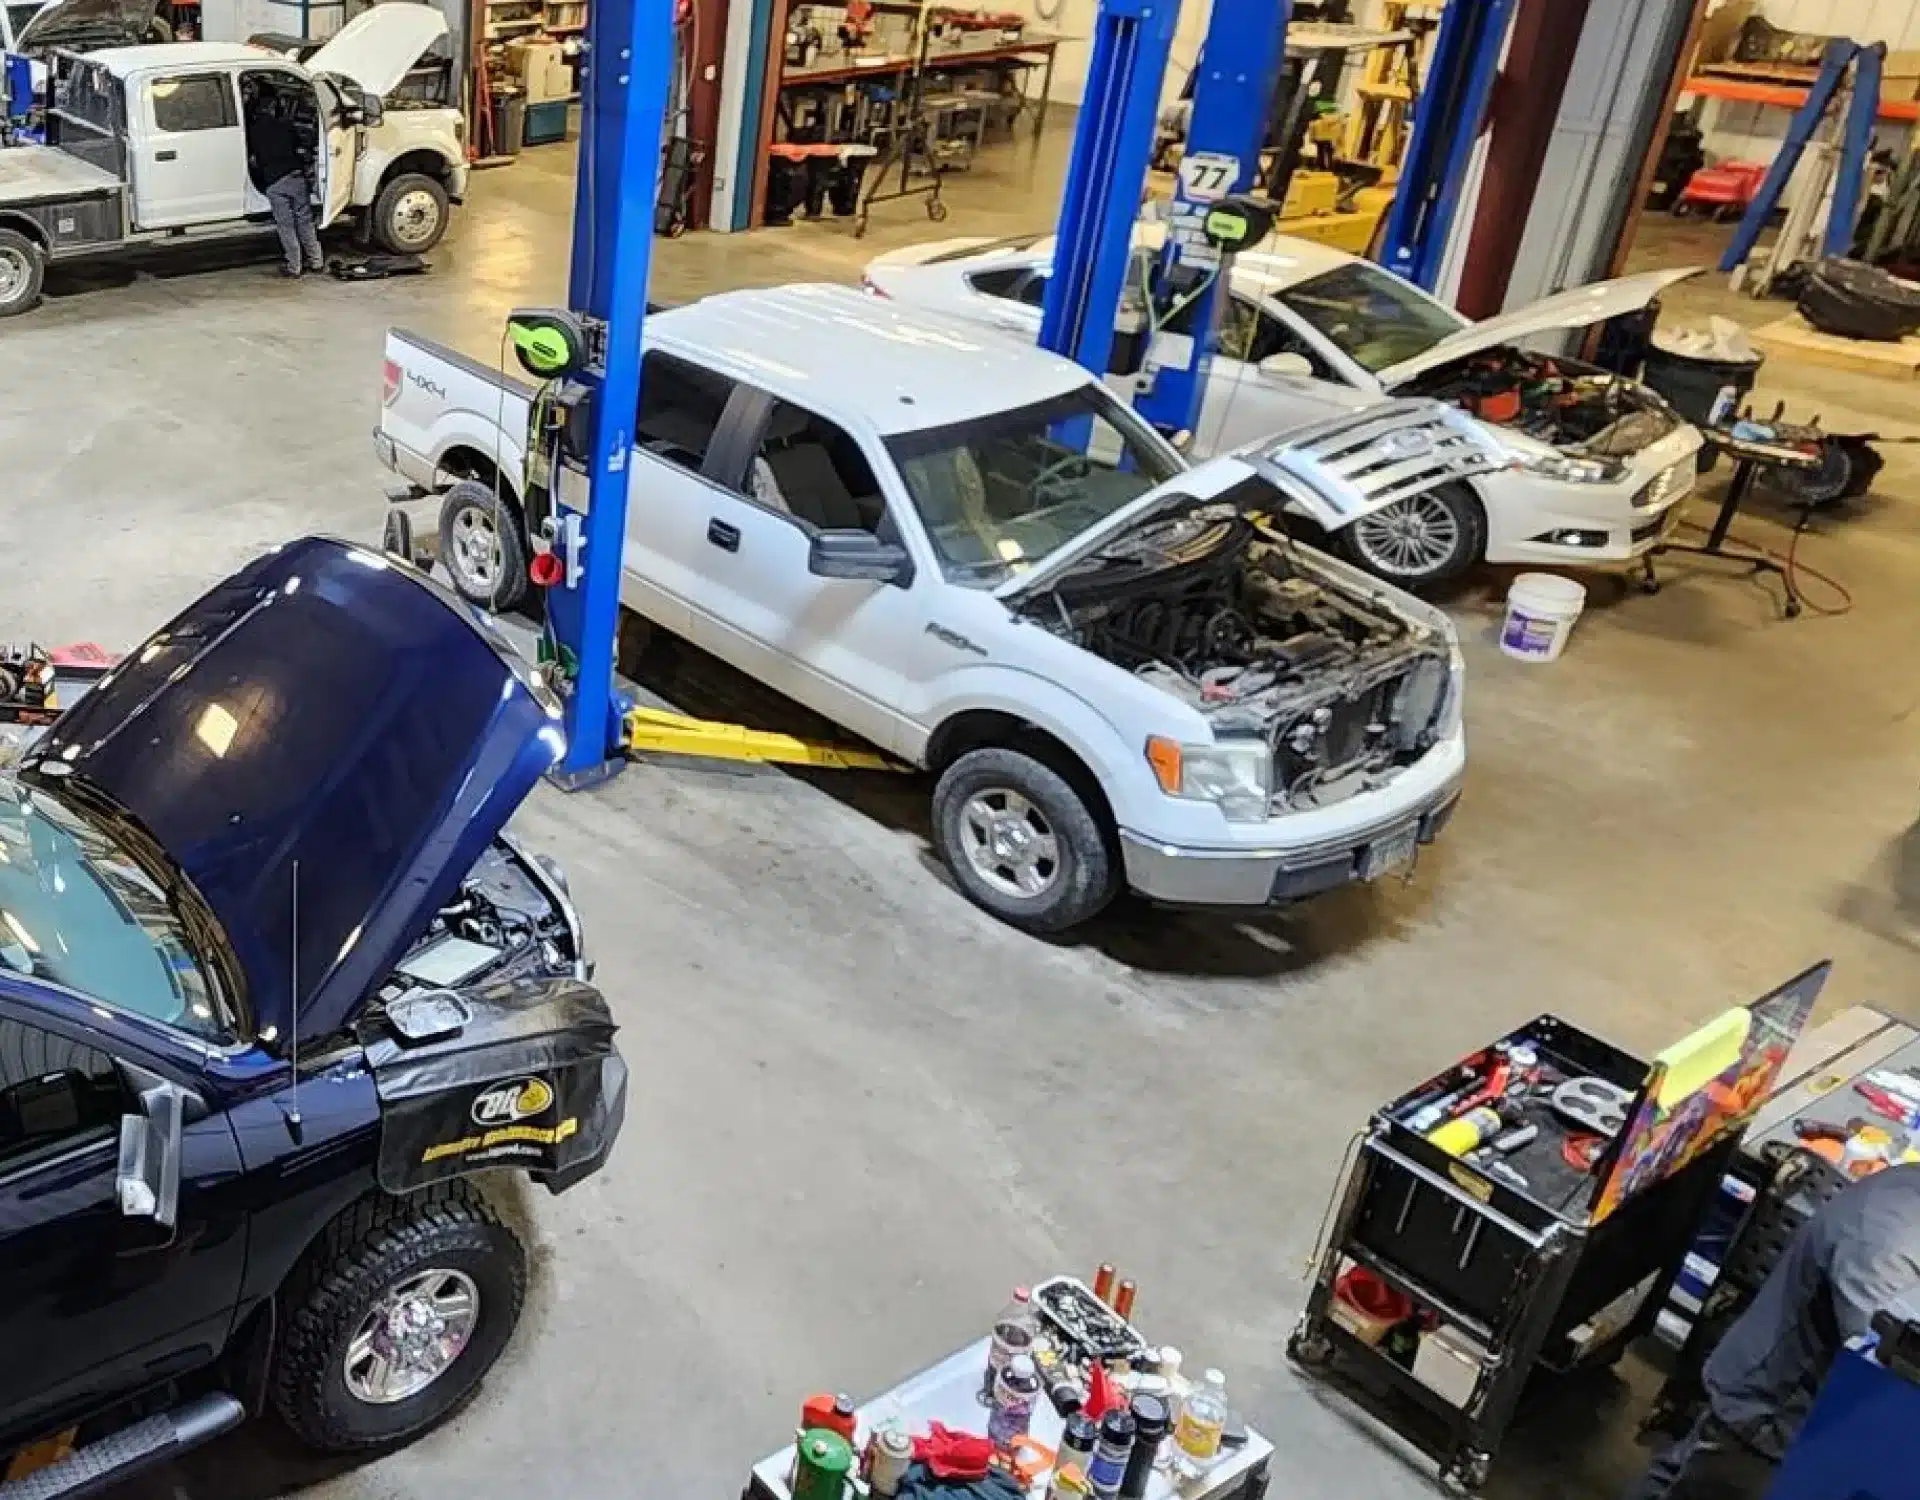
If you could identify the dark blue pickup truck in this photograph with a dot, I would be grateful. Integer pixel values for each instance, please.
(274, 986)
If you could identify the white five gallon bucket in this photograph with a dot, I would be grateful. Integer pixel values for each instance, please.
(1541, 609)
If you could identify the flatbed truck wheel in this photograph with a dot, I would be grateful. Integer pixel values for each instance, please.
(23, 269)
(410, 214)
(394, 1316)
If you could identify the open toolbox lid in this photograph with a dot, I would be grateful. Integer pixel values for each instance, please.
(530, 1079)
(1693, 1094)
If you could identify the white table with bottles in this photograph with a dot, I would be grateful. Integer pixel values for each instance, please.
(949, 1392)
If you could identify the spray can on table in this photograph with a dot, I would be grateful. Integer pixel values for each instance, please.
(1152, 1421)
(1014, 1393)
(1078, 1438)
(1110, 1454)
(889, 1456)
(822, 1464)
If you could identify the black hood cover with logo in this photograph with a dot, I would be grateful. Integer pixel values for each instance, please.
(532, 1082)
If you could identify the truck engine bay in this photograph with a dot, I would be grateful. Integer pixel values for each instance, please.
(508, 921)
(1247, 632)
(1582, 410)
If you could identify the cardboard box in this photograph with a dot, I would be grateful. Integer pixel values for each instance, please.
(542, 67)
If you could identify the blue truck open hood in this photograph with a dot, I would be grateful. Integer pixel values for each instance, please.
(329, 710)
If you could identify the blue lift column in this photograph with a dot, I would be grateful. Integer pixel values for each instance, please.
(629, 61)
(1233, 102)
(1446, 122)
(1105, 176)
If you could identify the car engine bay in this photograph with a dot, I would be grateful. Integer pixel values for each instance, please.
(508, 920)
(1242, 629)
(1580, 409)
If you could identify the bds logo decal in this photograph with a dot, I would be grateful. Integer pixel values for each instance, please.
(509, 1103)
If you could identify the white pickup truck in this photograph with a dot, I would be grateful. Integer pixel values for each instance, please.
(1120, 668)
(147, 147)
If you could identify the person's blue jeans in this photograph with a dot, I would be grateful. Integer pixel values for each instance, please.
(291, 200)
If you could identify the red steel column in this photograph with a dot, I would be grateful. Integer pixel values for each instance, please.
(1526, 101)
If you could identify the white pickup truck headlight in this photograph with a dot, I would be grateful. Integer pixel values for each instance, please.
(1570, 470)
(1236, 775)
(1454, 710)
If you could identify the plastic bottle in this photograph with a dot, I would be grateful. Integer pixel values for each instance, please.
(1013, 1334)
(1203, 1418)
(1014, 1394)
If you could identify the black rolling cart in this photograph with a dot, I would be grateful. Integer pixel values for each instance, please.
(1498, 1268)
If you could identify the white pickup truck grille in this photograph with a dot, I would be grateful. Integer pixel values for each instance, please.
(1380, 455)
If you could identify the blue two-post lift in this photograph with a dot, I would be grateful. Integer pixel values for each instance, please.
(625, 81)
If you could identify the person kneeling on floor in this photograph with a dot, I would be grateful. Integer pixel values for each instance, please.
(1855, 1256)
(277, 159)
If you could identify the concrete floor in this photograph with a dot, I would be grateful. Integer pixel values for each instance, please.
(862, 1109)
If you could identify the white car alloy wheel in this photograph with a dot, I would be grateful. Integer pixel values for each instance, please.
(1009, 843)
(1415, 538)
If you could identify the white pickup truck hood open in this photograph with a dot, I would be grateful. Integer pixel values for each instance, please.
(1332, 472)
(1577, 307)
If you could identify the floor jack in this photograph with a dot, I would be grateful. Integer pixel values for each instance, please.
(1838, 170)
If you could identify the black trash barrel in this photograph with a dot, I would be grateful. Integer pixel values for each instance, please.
(509, 121)
(1696, 387)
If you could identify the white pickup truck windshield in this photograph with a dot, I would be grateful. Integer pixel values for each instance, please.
(1004, 490)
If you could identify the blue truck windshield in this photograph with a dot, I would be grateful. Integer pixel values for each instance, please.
(77, 910)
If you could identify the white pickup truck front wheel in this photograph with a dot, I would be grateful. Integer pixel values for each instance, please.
(1021, 841)
(410, 214)
(22, 268)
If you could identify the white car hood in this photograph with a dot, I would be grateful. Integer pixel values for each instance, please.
(377, 47)
(1577, 307)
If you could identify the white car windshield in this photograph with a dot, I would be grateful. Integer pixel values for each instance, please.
(1372, 316)
(18, 15)
(77, 910)
(1000, 492)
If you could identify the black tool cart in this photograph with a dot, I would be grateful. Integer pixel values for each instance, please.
(1455, 1271)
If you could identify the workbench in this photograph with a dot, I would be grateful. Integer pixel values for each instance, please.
(1034, 49)
(949, 1392)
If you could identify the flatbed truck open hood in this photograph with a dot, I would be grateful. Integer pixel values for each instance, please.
(327, 715)
(378, 47)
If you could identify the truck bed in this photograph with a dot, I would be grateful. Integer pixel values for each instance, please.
(40, 174)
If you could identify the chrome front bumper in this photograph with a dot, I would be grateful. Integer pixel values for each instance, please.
(1268, 877)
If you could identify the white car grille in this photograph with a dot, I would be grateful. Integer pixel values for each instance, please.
(1383, 454)
(1670, 484)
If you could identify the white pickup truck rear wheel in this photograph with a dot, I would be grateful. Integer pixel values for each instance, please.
(1021, 841)
(22, 268)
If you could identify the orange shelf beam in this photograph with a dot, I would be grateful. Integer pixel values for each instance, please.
(1783, 96)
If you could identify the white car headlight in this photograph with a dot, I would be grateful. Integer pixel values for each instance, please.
(1235, 775)
(1570, 470)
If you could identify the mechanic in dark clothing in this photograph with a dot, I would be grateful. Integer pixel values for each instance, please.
(1860, 1252)
(278, 161)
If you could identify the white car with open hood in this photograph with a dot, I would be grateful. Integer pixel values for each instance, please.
(1122, 670)
(1600, 464)
(147, 146)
